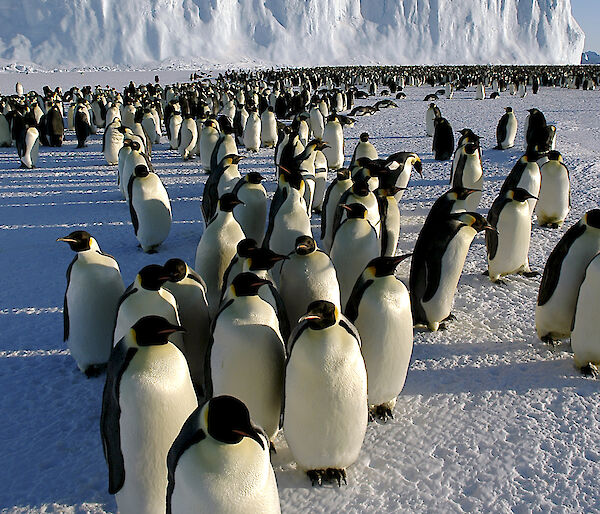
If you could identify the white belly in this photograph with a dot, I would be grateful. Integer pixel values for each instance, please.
(514, 233)
(585, 339)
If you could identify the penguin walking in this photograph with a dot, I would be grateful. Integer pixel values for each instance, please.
(189, 291)
(443, 140)
(563, 274)
(94, 286)
(355, 243)
(247, 353)
(379, 307)
(437, 264)
(433, 112)
(251, 214)
(220, 462)
(28, 146)
(468, 173)
(506, 131)
(508, 246)
(585, 338)
(333, 135)
(149, 207)
(325, 417)
(306, 276)
(147, 397)
(554, 199)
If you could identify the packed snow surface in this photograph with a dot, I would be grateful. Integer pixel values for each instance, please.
(490, 420)
(293, 32)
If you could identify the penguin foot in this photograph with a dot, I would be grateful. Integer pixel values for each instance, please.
(530, 274)
(381, 412)
(590, 371)
(486, 273)
(499, 282)
(329, 475)
(95, 370)
(151, 251)
(443, 327)
(316, 476)
(549, 341)
(337, 475)
(450, 317)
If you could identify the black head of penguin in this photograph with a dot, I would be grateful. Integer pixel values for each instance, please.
(234, 158)
(228, 201)
(383, 192)
(262, 259)
(305, 245)
(294, 178)
(152, 277)
(254, 177)
(247, 284)
(135, 145)
(225, 125)
(360, 188)
(592, 218)
(554, 155)
(176, 269)
(245, 247)
(385, 266)
(355, 210)
(228, 421)
(508, 109)
(519, 194)
(343, 174)
(471, 148)
(79, 241)
(141, 170)
(154, 331)
(364, 137)
(320, 314)
(474, 220)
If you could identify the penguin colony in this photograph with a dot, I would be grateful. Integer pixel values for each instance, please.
(275, 328)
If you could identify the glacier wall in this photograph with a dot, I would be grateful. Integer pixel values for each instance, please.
(289, 32)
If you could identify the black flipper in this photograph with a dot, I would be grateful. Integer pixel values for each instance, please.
(134, 218)
(351, 310)
(66, 323)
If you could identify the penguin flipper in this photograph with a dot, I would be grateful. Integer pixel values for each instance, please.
(120, 358)
(284, 323)
(66, 323)
(324, 209)
(134, 218)
(501, 130)
(351, 309)
(191, 433)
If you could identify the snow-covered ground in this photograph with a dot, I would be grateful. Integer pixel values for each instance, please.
(490, 420)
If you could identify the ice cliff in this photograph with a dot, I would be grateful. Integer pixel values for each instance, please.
(292, 32)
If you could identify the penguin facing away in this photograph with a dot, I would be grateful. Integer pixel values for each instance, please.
(147, 397)
(554, 199)
(220, 462)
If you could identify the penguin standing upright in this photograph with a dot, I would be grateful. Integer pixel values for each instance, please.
(321, 171)
(112, 141)
(437, 263)
(94, 286)
(506, 131)
(508, 246)
(554, 199)
(222, 180)
(251, 214)
(389, 215)
(28, 146)
(563, 274)
(208, 139)
(268, 129)
(334, 192)
(82, 124)
(149, 207)
(220, 462)
(480, 92)
(252, 131)
(468, 173)
(379, 307)
(53, 126)
(398, 170)
(433, 112)
(247, 352)
(147, 397)
(317, 123)
(525, 175)
(174, 122)
(585, 337)
(189, 291)
(364, 148)
(325, 417)
(443, 140)
(306, 276)
(333, 135)
(188, 137)
(535, 129)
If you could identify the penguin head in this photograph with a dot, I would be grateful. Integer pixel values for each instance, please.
(519, 194)
(461, 193)
(360, 187)
(384, 266)
(79, 241)
(254, 177)
(355, 210)
(320, 314)
(176, 269)
(554, 155)
(318, 144)
(141, 170)
(592, 218)
(508, 109)
(305, 245)
(228, 201)
(263, 259)
(384, 192)
(152, 277)
(294, 179)
(343, 174)
(474, 220)
(247, 284)
(154, 331)
(228, 421)
(245, 247)
(364, 137)
(230, 159)
(471, 148)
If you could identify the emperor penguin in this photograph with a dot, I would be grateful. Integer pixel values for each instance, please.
(268, 132)
(443, 140)
(321, 171)
(508, 245)
(54, 127)
(535, 129)
(244, 249)
(354, 244)
(360, 193)
(247, 353)
(333, 135)
(480, 92)
(82, 124)
(5, 132)
(175, 123)
(222, 180)
(364, 148)
(317, 122)
(554, 199)
(585, 337)
(150, 208)
(325, 413)
(217, 247)
(506, 131)
(563, 274)
(208, 139)
(112, 141)
(468, 173)
(398, 169)
(94, 286)
(131, 156)
(151, 126)
(111, 113)
(220, 462)
(306, 276)
(379, 308)
(252, 131)
(188, 136)
(224, 146)
(147, 397)
(28, 146)
(251, 214)
(389, 216)
(433, 112)
(189, 291)
(146, 296)
(525, 175)
(437, 264)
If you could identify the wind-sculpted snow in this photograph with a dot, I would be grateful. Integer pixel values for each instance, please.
(292, 32)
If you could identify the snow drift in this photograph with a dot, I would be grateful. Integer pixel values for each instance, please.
(292, 32)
